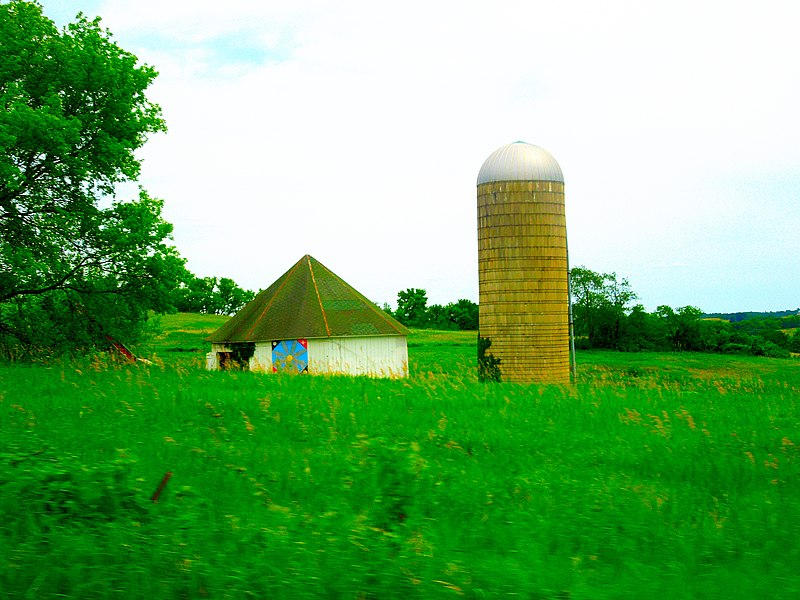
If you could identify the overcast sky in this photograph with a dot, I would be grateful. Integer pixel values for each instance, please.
(354, 132)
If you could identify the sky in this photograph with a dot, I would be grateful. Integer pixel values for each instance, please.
(354, 131)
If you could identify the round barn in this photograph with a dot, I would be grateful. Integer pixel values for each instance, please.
(310, 321)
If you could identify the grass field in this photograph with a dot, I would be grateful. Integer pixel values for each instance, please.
(671, 475)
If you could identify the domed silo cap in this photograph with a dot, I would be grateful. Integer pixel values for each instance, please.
(520, 161)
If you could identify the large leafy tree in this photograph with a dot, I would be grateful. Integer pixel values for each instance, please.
(412, 307)
(600, 305)
(73, 113)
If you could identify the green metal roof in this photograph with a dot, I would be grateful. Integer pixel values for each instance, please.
(308, 301)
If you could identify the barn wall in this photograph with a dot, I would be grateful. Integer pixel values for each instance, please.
(375, 356)
(212, 360)
(262, 358)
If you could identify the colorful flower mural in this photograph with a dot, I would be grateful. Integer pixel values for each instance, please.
(290, 356)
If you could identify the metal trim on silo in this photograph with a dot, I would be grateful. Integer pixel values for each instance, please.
(522, 264)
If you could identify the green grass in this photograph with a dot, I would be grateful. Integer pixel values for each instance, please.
(672, 475)
(179, 338)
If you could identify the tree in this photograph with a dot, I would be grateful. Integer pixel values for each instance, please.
(73, 112)
(794, 342)
(587, 300)
(209, 295)
(683, 327)
(231, 296)
(643, 331)
(464, 314)
(195, 294)
(438, 317)
(413, 311)
(412, 307)
(600, 306)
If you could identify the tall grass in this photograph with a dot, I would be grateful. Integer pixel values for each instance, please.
(671, 475)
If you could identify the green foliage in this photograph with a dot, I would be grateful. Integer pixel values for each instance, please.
(683, 327)
(657, 474)
(65, 321)
(604, 320)
(464, 313)
(641, 331)
(210, 295)
(488, 365)
(793, 344)
(178, 339)
(789, 318)
(59, 491)
(72, 115)
(412, 307)
(413, 311)
(600, 303)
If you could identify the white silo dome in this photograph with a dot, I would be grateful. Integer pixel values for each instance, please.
(520, 161)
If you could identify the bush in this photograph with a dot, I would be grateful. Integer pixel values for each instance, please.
(762, 347)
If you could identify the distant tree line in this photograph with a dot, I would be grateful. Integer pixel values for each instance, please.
(604, 311)
(413, 311)
(209, 295)
(742, 316)
(605, 316)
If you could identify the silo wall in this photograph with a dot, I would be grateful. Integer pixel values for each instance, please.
(522, 276)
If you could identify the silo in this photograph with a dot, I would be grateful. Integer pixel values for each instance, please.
(522, 264)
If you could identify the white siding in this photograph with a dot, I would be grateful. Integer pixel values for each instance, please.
(375, 356)
(262, 358)
(212, 360)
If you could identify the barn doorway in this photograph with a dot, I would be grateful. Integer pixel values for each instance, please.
(224, 360)
(238, 358)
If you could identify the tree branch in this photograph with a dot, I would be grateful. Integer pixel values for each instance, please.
(58, 284)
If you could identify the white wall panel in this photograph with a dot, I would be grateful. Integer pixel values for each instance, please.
(262, 358)
(375, 356)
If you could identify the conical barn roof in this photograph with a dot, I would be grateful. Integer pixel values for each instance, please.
(308, 301)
